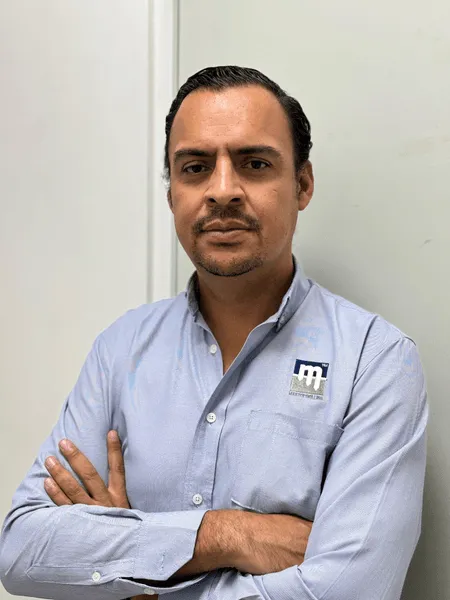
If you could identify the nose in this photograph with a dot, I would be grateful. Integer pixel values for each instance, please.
(224, 186)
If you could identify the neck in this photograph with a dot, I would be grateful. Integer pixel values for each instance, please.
(233, 306)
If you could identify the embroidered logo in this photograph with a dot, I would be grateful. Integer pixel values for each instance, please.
(309, 379)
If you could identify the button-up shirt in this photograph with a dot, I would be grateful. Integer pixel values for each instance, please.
(321, 415)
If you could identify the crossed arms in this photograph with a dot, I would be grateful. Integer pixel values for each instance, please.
(249, 542)
(365, 530)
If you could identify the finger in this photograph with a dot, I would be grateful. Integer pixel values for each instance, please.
(117, 483)
(86, 472)
(55, 492)
(67, 482)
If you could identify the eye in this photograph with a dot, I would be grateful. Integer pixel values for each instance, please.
(194, 169)
(256, 165)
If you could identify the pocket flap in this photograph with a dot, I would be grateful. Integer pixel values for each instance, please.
(295, 427)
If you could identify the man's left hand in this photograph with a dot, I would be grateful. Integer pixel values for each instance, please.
(63, 488)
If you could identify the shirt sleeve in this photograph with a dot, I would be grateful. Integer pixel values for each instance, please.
(368, 518)
(85, 551)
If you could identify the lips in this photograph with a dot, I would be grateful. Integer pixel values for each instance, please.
(224, 227)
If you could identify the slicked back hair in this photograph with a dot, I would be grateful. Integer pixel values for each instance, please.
(230, 76)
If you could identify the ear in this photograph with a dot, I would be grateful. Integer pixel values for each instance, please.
(169, 199)
(305, 186)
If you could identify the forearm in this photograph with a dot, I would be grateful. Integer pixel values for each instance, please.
(56, 552)
(220, 538)
(248, 542)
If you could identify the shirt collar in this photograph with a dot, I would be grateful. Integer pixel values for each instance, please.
(291, 300)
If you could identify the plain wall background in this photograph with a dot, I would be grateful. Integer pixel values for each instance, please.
(373, 79)
(73, 201)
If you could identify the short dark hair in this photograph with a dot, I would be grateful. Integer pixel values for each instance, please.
(223, 77)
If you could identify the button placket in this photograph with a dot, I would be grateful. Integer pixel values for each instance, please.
(201, 466)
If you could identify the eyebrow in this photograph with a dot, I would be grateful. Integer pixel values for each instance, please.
(243, 151)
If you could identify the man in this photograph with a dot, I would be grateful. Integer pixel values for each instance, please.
(273, 434)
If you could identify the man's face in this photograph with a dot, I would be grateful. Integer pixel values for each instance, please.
(234, 192)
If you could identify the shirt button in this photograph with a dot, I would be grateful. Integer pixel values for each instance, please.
(197, 499)
(96, 576)
(211, 418)
(213, 348)
(150, 592)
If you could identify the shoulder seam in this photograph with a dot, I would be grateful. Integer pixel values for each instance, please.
(391, 343)
(359, 309)
(346, 303)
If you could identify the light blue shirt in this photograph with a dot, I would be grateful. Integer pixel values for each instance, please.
(321, 415)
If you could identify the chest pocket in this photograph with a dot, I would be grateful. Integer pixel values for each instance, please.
(282, 462)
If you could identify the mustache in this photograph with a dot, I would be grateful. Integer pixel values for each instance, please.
(224, 213)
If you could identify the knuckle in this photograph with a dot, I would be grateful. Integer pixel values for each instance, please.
(73, 489)
(90, 474)
(119, 468)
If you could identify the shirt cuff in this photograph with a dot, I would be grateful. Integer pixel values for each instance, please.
(166, 543)
(132, 588)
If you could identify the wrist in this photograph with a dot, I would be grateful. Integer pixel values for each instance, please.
(215, 545)
(220, 544)
(219, 539)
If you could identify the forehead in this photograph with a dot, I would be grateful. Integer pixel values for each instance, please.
(231, 118)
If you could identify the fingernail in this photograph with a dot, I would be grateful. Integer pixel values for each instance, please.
(66, 445)
(113, 436)
(49, 483)
(50, 462)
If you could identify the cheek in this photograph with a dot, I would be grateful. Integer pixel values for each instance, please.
(183, 226)
(278, 215)
(185, 213)
(182, 206)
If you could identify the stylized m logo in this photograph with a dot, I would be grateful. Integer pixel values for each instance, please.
(309, 379)
(309, 372)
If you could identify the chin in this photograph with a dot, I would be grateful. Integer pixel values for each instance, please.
(231, 267)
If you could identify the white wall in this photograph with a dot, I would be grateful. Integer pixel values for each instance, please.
(73, 201)
(374, 80)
